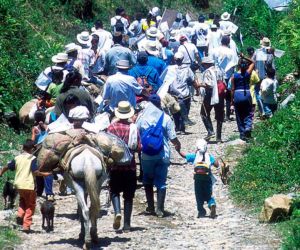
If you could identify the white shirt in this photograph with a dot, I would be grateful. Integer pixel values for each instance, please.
(214, 40)
(136, 27)
(226, 25)
(113, 22)
(268, 89)
(105, 39)
(192, 52)
(201, 30)
(184, 75)
(186, 31)
(224, 59)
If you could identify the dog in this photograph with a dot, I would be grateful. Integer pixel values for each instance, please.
(47, 210)
(225, 173)
(9, 194)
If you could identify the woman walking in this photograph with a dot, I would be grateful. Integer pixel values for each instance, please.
(241, 99)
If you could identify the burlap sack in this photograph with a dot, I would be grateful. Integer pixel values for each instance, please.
(103, 141)
(47, 160)
(53, 147)
(25, 110)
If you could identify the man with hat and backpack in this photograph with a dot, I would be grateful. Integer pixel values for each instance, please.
(156, 129)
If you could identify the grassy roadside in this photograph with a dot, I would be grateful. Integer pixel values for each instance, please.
(9, 146)
(271, 165)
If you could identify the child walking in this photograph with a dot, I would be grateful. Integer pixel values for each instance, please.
(203, 177)
(26, 168)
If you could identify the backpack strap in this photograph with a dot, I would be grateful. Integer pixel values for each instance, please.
(187, 53)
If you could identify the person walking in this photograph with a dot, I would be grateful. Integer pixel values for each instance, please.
(203, 177)
(26, 169)
(123, 178)
(241, 97)
(155, 156)
(180, 88)
(211, 98)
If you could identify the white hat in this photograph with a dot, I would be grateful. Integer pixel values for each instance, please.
(124, 110)
(152, 32)
(201, 146)
(213, 26)
(123, 64)
(265, 42)
(71, 47)
(207, 59)
(84, 37)
(178, 55)
(151, 48)
(225, 16)
(60, 58)
(155, 11)
(79, 112)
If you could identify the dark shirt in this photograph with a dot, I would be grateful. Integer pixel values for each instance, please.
(84, 99)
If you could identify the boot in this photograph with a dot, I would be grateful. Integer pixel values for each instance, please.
(161, 195)
(115, 199)
(219, 131)
(150, 199)
(209, 127)
(127, 215)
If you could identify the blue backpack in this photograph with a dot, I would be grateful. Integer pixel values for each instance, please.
(153, 139)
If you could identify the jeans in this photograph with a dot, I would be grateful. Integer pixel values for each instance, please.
(243, 111)
(258, 100)
(269, 109)
(155, 172)
(203, 193)
(48, 184)
(182, 115)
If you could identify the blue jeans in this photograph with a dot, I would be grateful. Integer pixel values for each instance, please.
(243, 111)
(203, 193)
(48, 182)
(259, 101)
(155, 172)
(182, 116)
(269, 109)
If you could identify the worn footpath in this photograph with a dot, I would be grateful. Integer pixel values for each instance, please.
(180, 229)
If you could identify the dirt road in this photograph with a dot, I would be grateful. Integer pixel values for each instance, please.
(232, 229)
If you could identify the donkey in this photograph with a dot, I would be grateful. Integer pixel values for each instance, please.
(86, 175)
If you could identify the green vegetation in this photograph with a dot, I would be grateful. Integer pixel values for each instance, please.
(8, 238)
(281, 27)
(271, 163)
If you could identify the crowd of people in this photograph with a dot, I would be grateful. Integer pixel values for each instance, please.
(135, 65)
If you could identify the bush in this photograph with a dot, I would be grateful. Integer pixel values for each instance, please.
(272, 163)
(256, 20)
(30, 34)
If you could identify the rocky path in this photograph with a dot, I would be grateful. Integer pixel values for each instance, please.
(232, 229)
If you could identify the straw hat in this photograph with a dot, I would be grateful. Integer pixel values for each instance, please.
(79, 112)
(225, 16)
(60, 58)
(124, 110)
(71, 47)
(152, 32)
(265, 42)
(84, 37)
(151, 48)
(123, 64)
